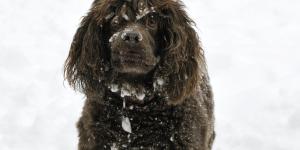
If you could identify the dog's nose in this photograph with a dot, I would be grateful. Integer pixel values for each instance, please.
(132, 37)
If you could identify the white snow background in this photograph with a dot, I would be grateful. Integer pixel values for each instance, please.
(253, 54)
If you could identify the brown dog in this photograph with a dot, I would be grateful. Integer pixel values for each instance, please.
(142, 69)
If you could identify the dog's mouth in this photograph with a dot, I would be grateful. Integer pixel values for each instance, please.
(130, 64)
(132, 61)
(132, 58)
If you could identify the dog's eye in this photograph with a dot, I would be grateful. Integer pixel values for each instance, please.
(152, 21)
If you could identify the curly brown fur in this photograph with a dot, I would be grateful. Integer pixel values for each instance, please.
(156, 77)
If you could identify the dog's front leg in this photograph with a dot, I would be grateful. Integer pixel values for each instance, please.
(93, 133)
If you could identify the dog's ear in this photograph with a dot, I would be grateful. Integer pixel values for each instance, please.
(179, 71)
(87, 59)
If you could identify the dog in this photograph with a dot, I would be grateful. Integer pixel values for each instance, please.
(142, 69)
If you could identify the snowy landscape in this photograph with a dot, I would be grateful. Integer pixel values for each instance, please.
(253, 55)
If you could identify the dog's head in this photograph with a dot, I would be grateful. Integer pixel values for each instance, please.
(137, 38)
(133, 33)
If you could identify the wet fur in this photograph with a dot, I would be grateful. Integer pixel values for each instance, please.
(176, 115)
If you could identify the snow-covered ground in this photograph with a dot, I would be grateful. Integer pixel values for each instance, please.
(253, 53)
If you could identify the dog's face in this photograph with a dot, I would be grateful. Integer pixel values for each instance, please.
(133, 41)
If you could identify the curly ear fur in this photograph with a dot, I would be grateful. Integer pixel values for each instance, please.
(182, 54)
(85, 65)
(88, 61)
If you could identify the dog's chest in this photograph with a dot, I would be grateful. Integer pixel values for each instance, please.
(134, 125)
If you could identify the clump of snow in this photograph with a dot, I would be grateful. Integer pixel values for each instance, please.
(114, 88)
(109, 16)
(123, 35)
(160, 81)
(141, 15)
(125, 16)
(128, 90)
(186, 77)
(130, 29)
(172, 138)
(114, 147)
(114, 37)
(125, 92)
(140, 38)
(140, 96)
(144, 11)
(126, 125)
(124, 103)
(116, 20)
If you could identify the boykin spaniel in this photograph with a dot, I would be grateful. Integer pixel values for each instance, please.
(142, 69)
